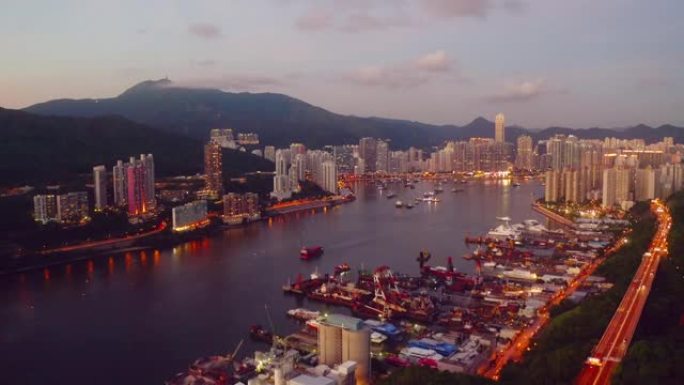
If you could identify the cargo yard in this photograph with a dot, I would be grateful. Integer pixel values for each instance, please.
(436, 316)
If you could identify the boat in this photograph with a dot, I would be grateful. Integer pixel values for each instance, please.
(515, 184)
(258, 333)
(342, 268)
(504, 231)
(307, 253)
(391, 195)
(303, 314)
(431, 200)
(457, 189)
(428, 194)
(378, 338)
(409, 205)
(399, 204)
(438, 190)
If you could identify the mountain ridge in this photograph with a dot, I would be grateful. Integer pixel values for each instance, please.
(280, 119)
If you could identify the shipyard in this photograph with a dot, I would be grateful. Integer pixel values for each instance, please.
(434, 316)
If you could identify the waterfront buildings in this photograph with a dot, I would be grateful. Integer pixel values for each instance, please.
(45, 208)
(213, 169)
(68, 208)
(100, 187)
(281, 180)
(247, 138)
(140, 191)
(368, 152)
(342, 338)
(240, 208)
(329, 177)
(190, 216)
(499, 128)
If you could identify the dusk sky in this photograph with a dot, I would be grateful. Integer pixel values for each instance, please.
(579, 63)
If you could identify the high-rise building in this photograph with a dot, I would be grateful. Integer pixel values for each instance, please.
(149, 180)
(119, 186)
(343, 338)
(223, 137)
(281, 180)
(368, 152)
(72, 207)
(213, 169)
(645, 183)
(616, 186)
(190, 216)
(329, 176)
(382, 156)
(344, 158)
(524, 155)
(500, 128)
(238, 208)
(552, 186)
(100, 187)
(269, 153)
(45, 208)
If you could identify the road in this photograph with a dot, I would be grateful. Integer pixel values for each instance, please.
(613, 345)
(519, 345)
(105, 242)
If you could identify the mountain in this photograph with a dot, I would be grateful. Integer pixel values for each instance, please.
(280, 119)
(35, 148)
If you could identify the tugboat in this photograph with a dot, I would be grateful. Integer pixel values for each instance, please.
(307, 253)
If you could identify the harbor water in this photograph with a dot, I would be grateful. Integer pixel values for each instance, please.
(140, 317)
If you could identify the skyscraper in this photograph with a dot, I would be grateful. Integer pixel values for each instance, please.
(329, 176)
(148, 169)
(281, 180)
(524, 152)
(499, 128)
(382, 156)
(213, 169)
(100, 184)
(119, 184)
(368, 152)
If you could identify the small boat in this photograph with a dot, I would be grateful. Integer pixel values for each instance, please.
(342, 268)
(409, 205)
(429, 194)
(258, 333)
(399, 204)
(391, 195)
(307, 253)
(457, 190)
(378, 338)
(438, 190)
(515, 184)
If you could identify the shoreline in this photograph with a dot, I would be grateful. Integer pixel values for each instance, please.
(156, 239)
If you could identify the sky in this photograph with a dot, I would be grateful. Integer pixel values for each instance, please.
(578, 63)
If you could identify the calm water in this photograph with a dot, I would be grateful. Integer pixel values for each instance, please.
(140, 317)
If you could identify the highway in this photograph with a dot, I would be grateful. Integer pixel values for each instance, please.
(521, 342)
(613, 345)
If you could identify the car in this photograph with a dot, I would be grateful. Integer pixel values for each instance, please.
(594, 361)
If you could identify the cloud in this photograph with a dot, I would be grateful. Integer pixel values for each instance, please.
(204, 30)
(383, 76)
(360, 16)
(521, 91)
(403, 75)
(315, 19)
(234, 82)
(437, 61)
(457, 8)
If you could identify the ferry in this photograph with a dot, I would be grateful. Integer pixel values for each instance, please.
(307, 253)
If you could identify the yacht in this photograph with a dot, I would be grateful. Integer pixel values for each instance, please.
(504, 231)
